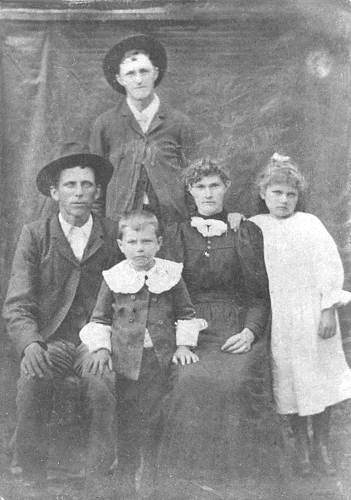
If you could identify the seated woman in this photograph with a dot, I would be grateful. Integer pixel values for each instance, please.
(215, 403)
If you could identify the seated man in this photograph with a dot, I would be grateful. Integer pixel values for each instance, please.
(55, 280)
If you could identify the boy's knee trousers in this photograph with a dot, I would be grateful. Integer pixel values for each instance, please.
(100, 392)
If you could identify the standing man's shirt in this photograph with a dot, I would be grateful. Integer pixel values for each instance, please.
(145, 117)
(162, 152)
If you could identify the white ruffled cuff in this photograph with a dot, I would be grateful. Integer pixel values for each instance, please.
(187, 331)
(96, 336)
(335, 298)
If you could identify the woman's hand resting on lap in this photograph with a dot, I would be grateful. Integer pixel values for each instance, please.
(239, 343)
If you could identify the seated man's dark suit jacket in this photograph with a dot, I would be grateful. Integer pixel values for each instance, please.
(47, 281)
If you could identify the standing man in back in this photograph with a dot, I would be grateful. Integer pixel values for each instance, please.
(147, 141)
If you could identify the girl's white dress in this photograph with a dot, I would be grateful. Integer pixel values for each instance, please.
(305, 276)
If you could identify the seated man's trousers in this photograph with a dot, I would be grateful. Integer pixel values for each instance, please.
(35, 404)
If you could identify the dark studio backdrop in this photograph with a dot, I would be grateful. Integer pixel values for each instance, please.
(255, 76)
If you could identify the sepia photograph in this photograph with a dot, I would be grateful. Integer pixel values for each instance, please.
(175, 251)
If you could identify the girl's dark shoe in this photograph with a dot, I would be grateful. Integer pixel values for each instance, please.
(323, 461)
(303, 462)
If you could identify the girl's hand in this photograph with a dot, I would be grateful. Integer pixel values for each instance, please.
(184, 356)
(239, 343)
(234, 220)
(327, 324)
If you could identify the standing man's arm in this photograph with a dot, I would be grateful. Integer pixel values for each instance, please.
(99, 146)
(189, 141)
(97, 142)
(21, 307)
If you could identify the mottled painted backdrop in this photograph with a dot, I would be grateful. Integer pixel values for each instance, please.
(253, 84)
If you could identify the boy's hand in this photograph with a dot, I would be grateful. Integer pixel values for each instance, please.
(97, 362)
(234, 220)
(184, 356)
(327, 324)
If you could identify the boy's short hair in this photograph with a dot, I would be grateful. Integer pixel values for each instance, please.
(203, 167)
(138, 220)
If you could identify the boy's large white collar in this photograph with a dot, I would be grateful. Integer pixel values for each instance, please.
(123, 278)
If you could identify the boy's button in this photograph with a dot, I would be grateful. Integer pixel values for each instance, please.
(132, 297)
(154, 299)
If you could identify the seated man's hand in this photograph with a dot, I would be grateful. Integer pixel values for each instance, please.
(36, 361)
(239, 343)
(98, 362)
(234, 220)
(184, 356)
(327, 324)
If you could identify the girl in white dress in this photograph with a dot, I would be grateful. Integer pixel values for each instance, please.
(310, 373)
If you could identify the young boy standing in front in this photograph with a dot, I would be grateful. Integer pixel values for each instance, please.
(143, 320)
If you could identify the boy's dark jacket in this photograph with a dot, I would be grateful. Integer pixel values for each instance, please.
(131, 313)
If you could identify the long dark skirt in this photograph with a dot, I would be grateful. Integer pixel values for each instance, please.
(218, 414)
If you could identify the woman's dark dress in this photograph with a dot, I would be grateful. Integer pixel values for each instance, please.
(215, 403)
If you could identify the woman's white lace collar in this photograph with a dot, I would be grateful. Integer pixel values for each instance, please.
(209, 227)
(123, 278)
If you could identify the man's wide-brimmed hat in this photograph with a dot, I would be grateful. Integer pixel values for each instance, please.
(145, 43)
(73, 154)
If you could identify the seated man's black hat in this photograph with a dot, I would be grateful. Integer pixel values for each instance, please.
(73, 154)
(152, 47)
